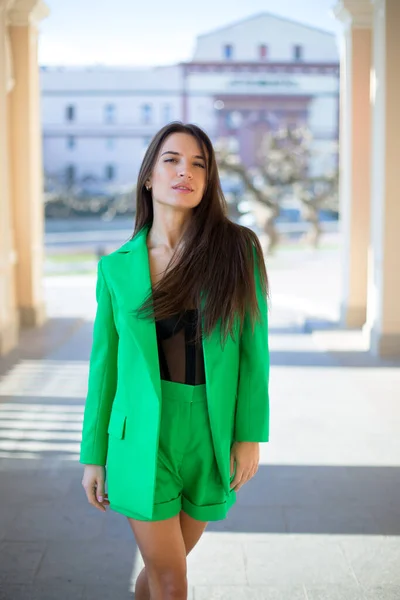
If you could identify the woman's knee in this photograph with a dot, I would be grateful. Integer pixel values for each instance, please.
(162, 547)
(172, 583)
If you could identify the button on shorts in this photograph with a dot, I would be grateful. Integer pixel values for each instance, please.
(187, 475)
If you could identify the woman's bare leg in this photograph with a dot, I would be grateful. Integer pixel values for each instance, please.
(192, 530)
(185, 532)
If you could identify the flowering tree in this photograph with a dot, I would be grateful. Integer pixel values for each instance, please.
(88, 196)
(283, 170)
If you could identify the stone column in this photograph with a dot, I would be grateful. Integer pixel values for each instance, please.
(383, 318)
(9, 324)
(355, 157)
(26, 158)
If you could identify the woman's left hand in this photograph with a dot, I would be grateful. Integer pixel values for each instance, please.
(246, 455)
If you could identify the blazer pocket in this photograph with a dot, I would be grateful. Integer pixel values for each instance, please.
(116, 426)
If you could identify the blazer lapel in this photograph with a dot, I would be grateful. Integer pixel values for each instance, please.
(139, 286)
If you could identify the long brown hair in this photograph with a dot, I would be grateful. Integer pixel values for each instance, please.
(215, 270)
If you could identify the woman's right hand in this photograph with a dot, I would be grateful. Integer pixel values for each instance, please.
(93, 482)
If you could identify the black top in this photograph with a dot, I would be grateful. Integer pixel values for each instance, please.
(181, 359)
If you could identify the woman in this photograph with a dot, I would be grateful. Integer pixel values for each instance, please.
(178, 383)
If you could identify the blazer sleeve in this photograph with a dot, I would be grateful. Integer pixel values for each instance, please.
(102, 381)
(252, 405)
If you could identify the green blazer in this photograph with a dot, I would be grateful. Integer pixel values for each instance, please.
(122, 411)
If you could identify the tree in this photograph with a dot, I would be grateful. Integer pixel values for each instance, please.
(90, 195)
(284, 169)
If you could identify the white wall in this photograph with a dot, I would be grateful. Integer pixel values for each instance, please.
(279, 34)
(59, 79)
(323, 116)
(89, 91)
(201, 111)
(90, 110)
(91, 156)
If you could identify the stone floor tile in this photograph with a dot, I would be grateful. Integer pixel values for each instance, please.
(251, 519)
(341, 519)
(7, 514)
(114, 592)
(248, 593)
(107, 592)
(386, 592)
(217, 560)
(54, 521)
(82, 562)
(20, 560)
(284, 485)
(11, 591)
(375, 560)
(116, 527)
(52, 591)
(334, 592)
(388, 518)
(312, 560)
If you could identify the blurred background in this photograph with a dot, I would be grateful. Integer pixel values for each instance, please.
(85, 87)
(264, 86)
(301, 101)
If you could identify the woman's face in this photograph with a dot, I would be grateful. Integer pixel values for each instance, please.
(179, 173)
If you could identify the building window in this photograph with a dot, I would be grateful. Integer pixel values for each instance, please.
(70, 113)
(70, 174)
(71, 142)
(167, 113)
(146, 114)
(263, 51)
(110, 143)
(110, 172)
(298, 52)
(109, 113)
(228, 51)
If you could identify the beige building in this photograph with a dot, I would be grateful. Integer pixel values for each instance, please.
(370, 146)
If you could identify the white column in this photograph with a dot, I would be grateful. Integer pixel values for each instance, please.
(354, 191)
(383, 315)
(26, 156)
(9, 324)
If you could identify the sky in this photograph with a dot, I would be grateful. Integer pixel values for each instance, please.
(153, 32)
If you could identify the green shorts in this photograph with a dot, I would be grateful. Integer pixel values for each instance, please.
(187, 476)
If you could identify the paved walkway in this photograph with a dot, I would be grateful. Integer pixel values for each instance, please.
(320, 521)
